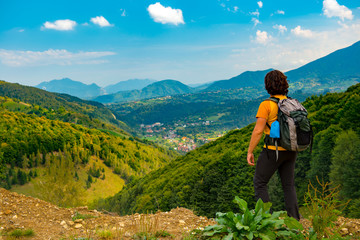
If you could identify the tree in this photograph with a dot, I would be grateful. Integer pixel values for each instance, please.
(320, 163)
(345, 168)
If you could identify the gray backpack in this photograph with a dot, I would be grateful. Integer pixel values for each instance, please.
(295, 129)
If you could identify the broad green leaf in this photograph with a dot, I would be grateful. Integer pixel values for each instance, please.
(242, 203)
(228, 237)
(292, 223)
(209, 234)
(259, 205)
(239, 226)
(264, 236)
(284, 233)
(247, 217)
(267, 206)
(250, 235)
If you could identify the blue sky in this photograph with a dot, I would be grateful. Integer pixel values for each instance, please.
(105, 42)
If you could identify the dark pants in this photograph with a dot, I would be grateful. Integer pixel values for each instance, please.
(266, 166)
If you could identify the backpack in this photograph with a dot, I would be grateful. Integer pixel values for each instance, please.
(293, 130)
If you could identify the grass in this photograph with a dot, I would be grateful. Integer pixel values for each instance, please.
(146, 226)
(105, 234)
(17, 233)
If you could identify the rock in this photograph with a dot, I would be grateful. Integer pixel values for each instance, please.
(181, 221)
(77, 226)
(63, 223)
(15, 217)
(7, 212)
(121, 224)
(344, 231)
(127, 234)
(71, 223)
(78, 220)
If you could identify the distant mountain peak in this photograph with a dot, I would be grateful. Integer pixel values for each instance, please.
(71, 87)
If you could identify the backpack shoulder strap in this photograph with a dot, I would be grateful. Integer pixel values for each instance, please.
(274, 99)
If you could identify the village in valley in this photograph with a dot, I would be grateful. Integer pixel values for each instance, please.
(179, 136)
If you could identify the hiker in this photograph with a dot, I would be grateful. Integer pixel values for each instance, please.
(273, 157)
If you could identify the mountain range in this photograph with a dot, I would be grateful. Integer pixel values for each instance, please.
(72, 87)
(156, 89)
(128, 85)
(85, 91)
(334, 72)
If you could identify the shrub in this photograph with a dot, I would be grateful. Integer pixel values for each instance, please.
(323, 206)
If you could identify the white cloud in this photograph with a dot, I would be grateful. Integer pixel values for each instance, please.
(21, 30)
(256, 13)
(281, 12)
(331, 8)
(236, 8)
(61, 25)
(165, 15)
(280, 27)
(123, 12)
(260, 4)
(262, 37)
(101, 21)
(306, 33)
(255, 21)
(50, 57)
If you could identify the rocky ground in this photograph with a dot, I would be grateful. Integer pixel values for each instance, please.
(51, 222)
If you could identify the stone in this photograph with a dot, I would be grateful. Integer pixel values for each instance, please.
(63, 223)
(77, 226)
(71, 223)
(181, 221)
(78, 220)
(344, 231)
(127, 234)
(121, 224)
(15, 217)
(7, 212)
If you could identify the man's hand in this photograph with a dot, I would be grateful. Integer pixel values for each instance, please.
(250, 159)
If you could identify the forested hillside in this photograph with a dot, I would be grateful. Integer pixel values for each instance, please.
(208, 178)
(30, 143)
(62, 107)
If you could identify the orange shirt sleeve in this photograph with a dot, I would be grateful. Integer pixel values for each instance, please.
(264, 110)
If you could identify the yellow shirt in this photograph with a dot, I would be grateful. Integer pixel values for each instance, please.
(269, 110)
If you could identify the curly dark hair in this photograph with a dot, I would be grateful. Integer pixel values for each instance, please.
(276, 83)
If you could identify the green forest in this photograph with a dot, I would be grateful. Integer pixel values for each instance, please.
(30, 144)
(208, 178)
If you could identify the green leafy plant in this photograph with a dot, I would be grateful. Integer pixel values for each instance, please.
(253, 224)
